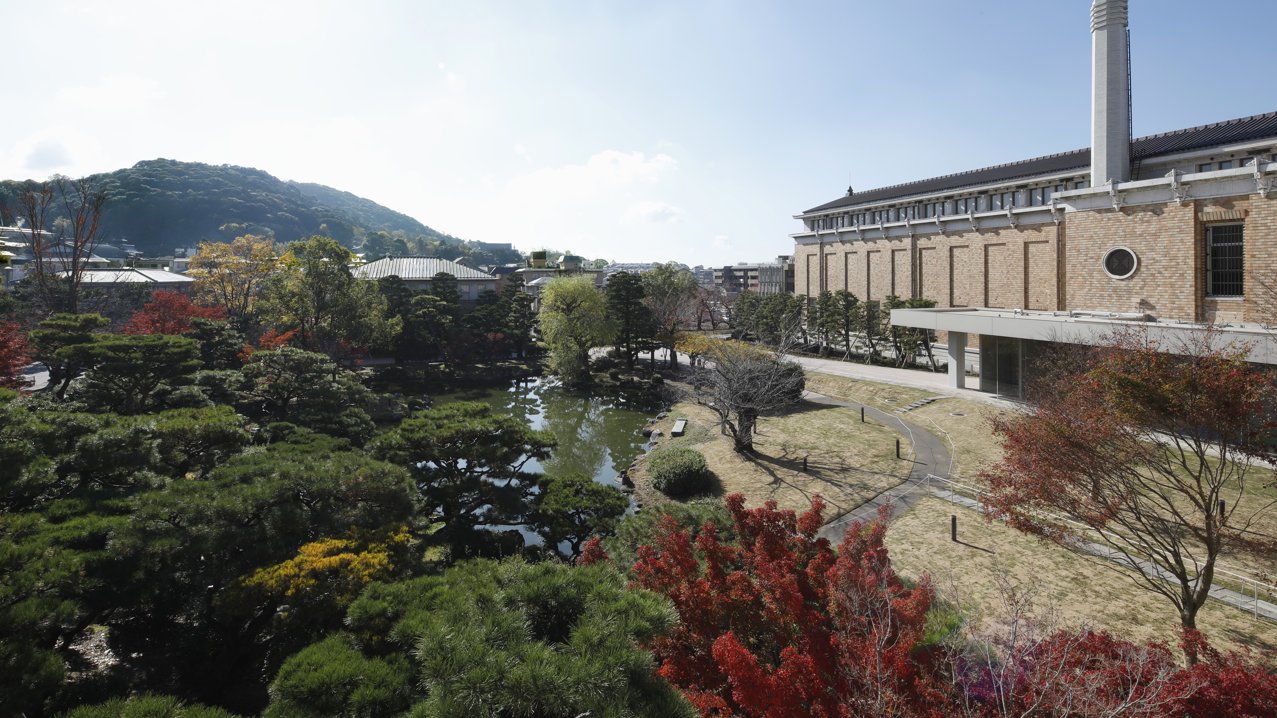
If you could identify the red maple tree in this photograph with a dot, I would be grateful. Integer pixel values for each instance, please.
(169, 313)
(777, 625)
(1151, 454)
(14, 355)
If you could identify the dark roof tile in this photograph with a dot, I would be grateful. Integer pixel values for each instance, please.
(1220, 133)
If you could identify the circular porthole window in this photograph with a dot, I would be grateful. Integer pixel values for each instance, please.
(1120, 263)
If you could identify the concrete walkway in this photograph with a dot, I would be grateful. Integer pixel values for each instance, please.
(914, 378)
(929, 457)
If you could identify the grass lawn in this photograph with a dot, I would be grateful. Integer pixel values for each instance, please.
(962, 423)
(870, 393)
(1080, 590)
(847, 462)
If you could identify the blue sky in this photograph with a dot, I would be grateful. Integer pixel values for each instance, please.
(688, 131)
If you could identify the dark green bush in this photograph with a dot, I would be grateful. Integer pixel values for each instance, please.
(147, 706)
(679, 471)
(641, 529)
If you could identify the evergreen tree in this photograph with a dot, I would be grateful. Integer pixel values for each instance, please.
(629, 314)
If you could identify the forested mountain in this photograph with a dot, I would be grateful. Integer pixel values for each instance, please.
(162, 204)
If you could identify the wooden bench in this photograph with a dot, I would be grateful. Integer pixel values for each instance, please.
(680, 426)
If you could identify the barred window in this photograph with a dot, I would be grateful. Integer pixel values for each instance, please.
(1224, 260)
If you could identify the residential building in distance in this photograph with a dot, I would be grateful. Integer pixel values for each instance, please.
(761, 277)
(417, 273)
(1169, 232)
(629, 267)
(120, 277)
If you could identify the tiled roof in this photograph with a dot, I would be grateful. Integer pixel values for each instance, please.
(416, 269)
(132, 276)
(1193, 138)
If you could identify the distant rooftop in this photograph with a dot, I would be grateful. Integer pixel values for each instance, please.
(416, 269)
(1228, 132)
(132, 276)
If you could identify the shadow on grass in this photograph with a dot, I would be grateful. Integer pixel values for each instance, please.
(830, 475)
(978, 548)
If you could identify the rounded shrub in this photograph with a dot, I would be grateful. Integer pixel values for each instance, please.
(679, 471)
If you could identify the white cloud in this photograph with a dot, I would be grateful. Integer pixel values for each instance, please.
(56, 149)
(652, 212)
(720, 241)
(522, 151)
(602, 174)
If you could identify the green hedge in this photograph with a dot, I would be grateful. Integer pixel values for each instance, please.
(679, 471)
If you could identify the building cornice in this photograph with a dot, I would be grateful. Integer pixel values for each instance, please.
(1257, 177)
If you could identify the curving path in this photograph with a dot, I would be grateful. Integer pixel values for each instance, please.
(930, 456)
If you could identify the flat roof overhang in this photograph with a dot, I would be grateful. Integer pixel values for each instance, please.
(1093, 328)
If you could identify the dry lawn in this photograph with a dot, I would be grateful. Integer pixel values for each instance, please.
(870, 393)
(964, 426)
(968, 435)
(1083, 591)
(848, 462)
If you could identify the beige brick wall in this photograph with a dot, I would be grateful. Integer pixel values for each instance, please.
(1261, 261)
(1170, 242)
(1010, 268)
(1050, 267)
(1167, 283)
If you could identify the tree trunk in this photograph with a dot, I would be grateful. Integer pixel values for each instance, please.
(743, 437)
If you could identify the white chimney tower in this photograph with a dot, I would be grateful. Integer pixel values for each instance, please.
(1110, 94)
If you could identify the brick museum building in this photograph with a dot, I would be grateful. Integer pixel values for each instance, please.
(1169, 233)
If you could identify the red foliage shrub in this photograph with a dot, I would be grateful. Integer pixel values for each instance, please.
(14, 355)
(169, 313)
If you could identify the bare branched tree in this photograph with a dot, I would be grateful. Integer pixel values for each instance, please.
(1156, 456)
(742, 382)
(62, 247)
(1024, 663)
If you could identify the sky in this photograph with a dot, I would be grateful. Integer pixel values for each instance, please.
(687, 130)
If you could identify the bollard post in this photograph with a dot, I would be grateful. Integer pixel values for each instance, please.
(1221, 509)
(862, 414)
(897, 448)
(804, 464)
(953, 528)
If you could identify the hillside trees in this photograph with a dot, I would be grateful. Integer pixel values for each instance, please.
(573, 321)
(1153, 455)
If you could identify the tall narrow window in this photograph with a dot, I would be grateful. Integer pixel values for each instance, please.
(1224, 260)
